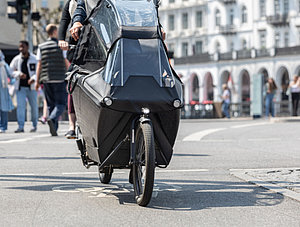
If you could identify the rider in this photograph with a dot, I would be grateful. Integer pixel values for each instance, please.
(83, 9)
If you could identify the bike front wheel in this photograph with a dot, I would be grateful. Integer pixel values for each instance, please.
(144, 166)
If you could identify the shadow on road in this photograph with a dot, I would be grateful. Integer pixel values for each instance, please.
(38, 158)
(191, 155)
(181, 195)
(197, 195)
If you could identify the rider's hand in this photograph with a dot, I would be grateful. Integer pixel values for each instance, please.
(75, 30)
(37, 85)
(63, 44)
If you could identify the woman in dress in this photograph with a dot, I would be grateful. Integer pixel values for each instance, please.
(5, 100)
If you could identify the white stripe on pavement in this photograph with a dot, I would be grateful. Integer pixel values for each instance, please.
(264, 139)
(23, 139)
(199, 135)
(158, 171)
(181, 170)
(249, 125)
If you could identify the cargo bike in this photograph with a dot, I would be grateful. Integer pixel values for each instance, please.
(127, 97)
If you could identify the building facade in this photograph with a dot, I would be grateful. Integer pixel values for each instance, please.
(231, 41)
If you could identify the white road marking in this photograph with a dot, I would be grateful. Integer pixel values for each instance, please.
(181, 170)
(23, 139)
(157, 171)
(264, 139)
(250, 125)
(218, 141)
(200, 135)
(87, 173)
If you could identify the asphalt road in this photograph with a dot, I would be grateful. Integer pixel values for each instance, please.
(43, 183)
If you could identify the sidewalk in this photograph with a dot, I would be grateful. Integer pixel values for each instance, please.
(272, 119)
(285, 181)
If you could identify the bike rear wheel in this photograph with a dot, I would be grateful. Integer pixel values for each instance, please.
(105, 175)
(144, 166)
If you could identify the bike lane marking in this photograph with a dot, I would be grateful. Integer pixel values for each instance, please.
(199, 135)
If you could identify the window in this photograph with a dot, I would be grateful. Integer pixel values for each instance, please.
(199, 19)
(277, 39)
(198, 47)
(184, 49)
(262, 37)
(244, 44)
(171, 23)
(244, 14)
(171, 1)
(286, 6)
(44, 4)
(298, 28)
(277, 7)
(231, 16)
(185, 21)
(61, 4)
(218, 48)
(231, 46)
(171, 47)
(262, 7)
(218, 17)
(286, 39)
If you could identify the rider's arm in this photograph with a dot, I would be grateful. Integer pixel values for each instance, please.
(63, 26)
(78, 18)
(64, 22)
(80, 12)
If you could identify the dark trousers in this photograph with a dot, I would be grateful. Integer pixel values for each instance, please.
(56, 97)
(295, 102)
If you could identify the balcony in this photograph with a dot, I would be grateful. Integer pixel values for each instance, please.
(278, 20)
(227, 29)
(201, 58)
(244, 54)
(227, 2)
(262, 53)
(288, 50)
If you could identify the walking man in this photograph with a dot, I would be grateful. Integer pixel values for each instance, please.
(51, 68)
(23, 67)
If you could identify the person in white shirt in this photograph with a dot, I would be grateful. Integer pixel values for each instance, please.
(295, 92)
(23, 68)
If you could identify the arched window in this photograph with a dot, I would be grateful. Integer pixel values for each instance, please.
(244, 15)
(218, 17)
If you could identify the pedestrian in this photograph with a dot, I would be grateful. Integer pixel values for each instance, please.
(51, 68)
(68, 10)
(271, 88)
(23, 67)
(226, 97)
(44, 117)
(294, 87)
(5, 100)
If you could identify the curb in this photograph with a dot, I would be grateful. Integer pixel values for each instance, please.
(242, 174)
